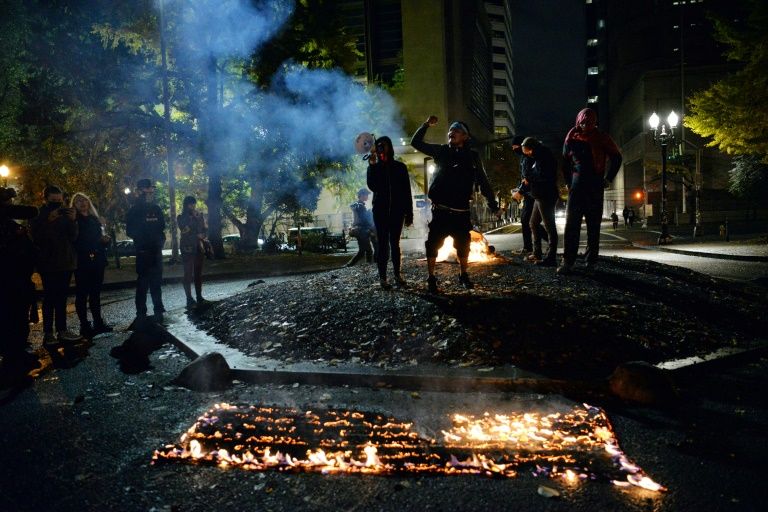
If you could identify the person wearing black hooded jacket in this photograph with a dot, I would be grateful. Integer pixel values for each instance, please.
(542, 178)
(524, 191)
(392, 205)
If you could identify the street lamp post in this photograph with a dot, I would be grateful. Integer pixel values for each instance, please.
(4, 173)
(664, 138)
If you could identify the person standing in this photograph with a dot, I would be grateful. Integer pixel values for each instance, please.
(625, 214)
(17, 263)
(362, 228)
(191, 244)
(586, 151)
(542, 179)
(145, 224)
(631, 217)
(91, 247)
(615, 220)
(392, 206)
(54, 231)
(523, 194)
(458, 171)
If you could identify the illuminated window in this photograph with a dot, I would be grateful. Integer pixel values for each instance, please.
(592, 99)
(600, 23)
(592, 70)
(592, 42)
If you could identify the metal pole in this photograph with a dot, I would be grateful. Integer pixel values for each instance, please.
(697, 228)
(664, 224)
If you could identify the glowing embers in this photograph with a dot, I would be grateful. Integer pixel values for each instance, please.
(575, 445)
(479, 249)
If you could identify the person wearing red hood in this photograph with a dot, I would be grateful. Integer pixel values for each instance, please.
(586, 152)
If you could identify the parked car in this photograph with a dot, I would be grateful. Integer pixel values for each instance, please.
(125, 248)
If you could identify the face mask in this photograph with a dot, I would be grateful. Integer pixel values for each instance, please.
(55, 205)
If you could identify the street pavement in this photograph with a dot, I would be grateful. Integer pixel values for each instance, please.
(81, 436)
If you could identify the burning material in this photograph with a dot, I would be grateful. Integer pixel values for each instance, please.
(572, 446)
(479, 249)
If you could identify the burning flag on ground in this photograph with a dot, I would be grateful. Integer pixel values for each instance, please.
(574, 445)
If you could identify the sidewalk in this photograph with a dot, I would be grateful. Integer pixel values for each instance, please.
(741, 247)
(235, 266)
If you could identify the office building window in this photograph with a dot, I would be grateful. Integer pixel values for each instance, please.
(592, 42)
(592, 70)
(500, 81)
(592, 99)
(501, 98)
(499, 65)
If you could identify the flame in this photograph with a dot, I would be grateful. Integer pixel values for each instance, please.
(478, 249)
(575, 445)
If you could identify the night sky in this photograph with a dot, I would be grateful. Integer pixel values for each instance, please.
(549, 43)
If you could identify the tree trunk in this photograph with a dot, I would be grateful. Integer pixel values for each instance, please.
(212, 160)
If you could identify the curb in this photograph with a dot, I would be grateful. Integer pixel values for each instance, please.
(449, 380)
(701, 254)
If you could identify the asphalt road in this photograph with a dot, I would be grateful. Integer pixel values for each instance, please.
(82, 435)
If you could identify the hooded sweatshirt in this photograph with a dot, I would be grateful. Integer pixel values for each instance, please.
(585, 152)
(391, 186)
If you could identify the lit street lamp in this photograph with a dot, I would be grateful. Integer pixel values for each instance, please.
(4, 173)
(664, 138)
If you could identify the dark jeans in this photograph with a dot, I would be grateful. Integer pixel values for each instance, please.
(525, 224)
(388, 231)
(364, 247)
(584, 203)
(88, 281)
(55, 288)
(149, 268)
(193, 271)
(447, 223)
(544, 211)
(14, 319)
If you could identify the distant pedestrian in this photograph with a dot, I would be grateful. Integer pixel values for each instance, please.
(54, 232)
(192, 246)
(585, 152)
(91, 246)
(542, 179)
(392, 206)
(625, 214)
(615, 220)
(631, 217)
(362, 228)
(145, 224)
(459, 171)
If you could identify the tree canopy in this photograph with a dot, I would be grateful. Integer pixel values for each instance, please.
(734, 111)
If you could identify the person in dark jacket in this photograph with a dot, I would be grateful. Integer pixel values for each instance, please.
(625, 214)
(392, 206)
(54, 231)
(17, 263)
(586, 151)
(145, 224)
(458, 171)
(362, 228)
(542, 178)
(193, 234)
(523, 194)
(91, 247)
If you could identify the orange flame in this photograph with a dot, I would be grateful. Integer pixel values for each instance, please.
(479, 249)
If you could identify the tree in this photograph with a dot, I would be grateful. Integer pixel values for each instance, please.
(734, 111)
(749, 178)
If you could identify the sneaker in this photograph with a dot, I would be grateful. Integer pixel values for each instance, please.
(191, 303)
(384, 284)
(400, 282)
(545, 263)
(565, 269)
(465, 281)
(203, 302)
(533, 257)
(86, 331)
(68, 336)
(432, 285)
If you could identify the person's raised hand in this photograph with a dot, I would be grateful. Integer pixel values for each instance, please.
(432, 120)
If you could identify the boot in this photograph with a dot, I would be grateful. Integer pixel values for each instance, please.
(465, 281)
(432, 285)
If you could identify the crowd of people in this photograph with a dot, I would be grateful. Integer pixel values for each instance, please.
(66, 238)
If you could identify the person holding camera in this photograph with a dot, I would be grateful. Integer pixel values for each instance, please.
(362, 228)
(459, 170)
(54, 232)
(17, 263)
(145, 224)
(91, 246)
(392, 206)
(192, 246)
